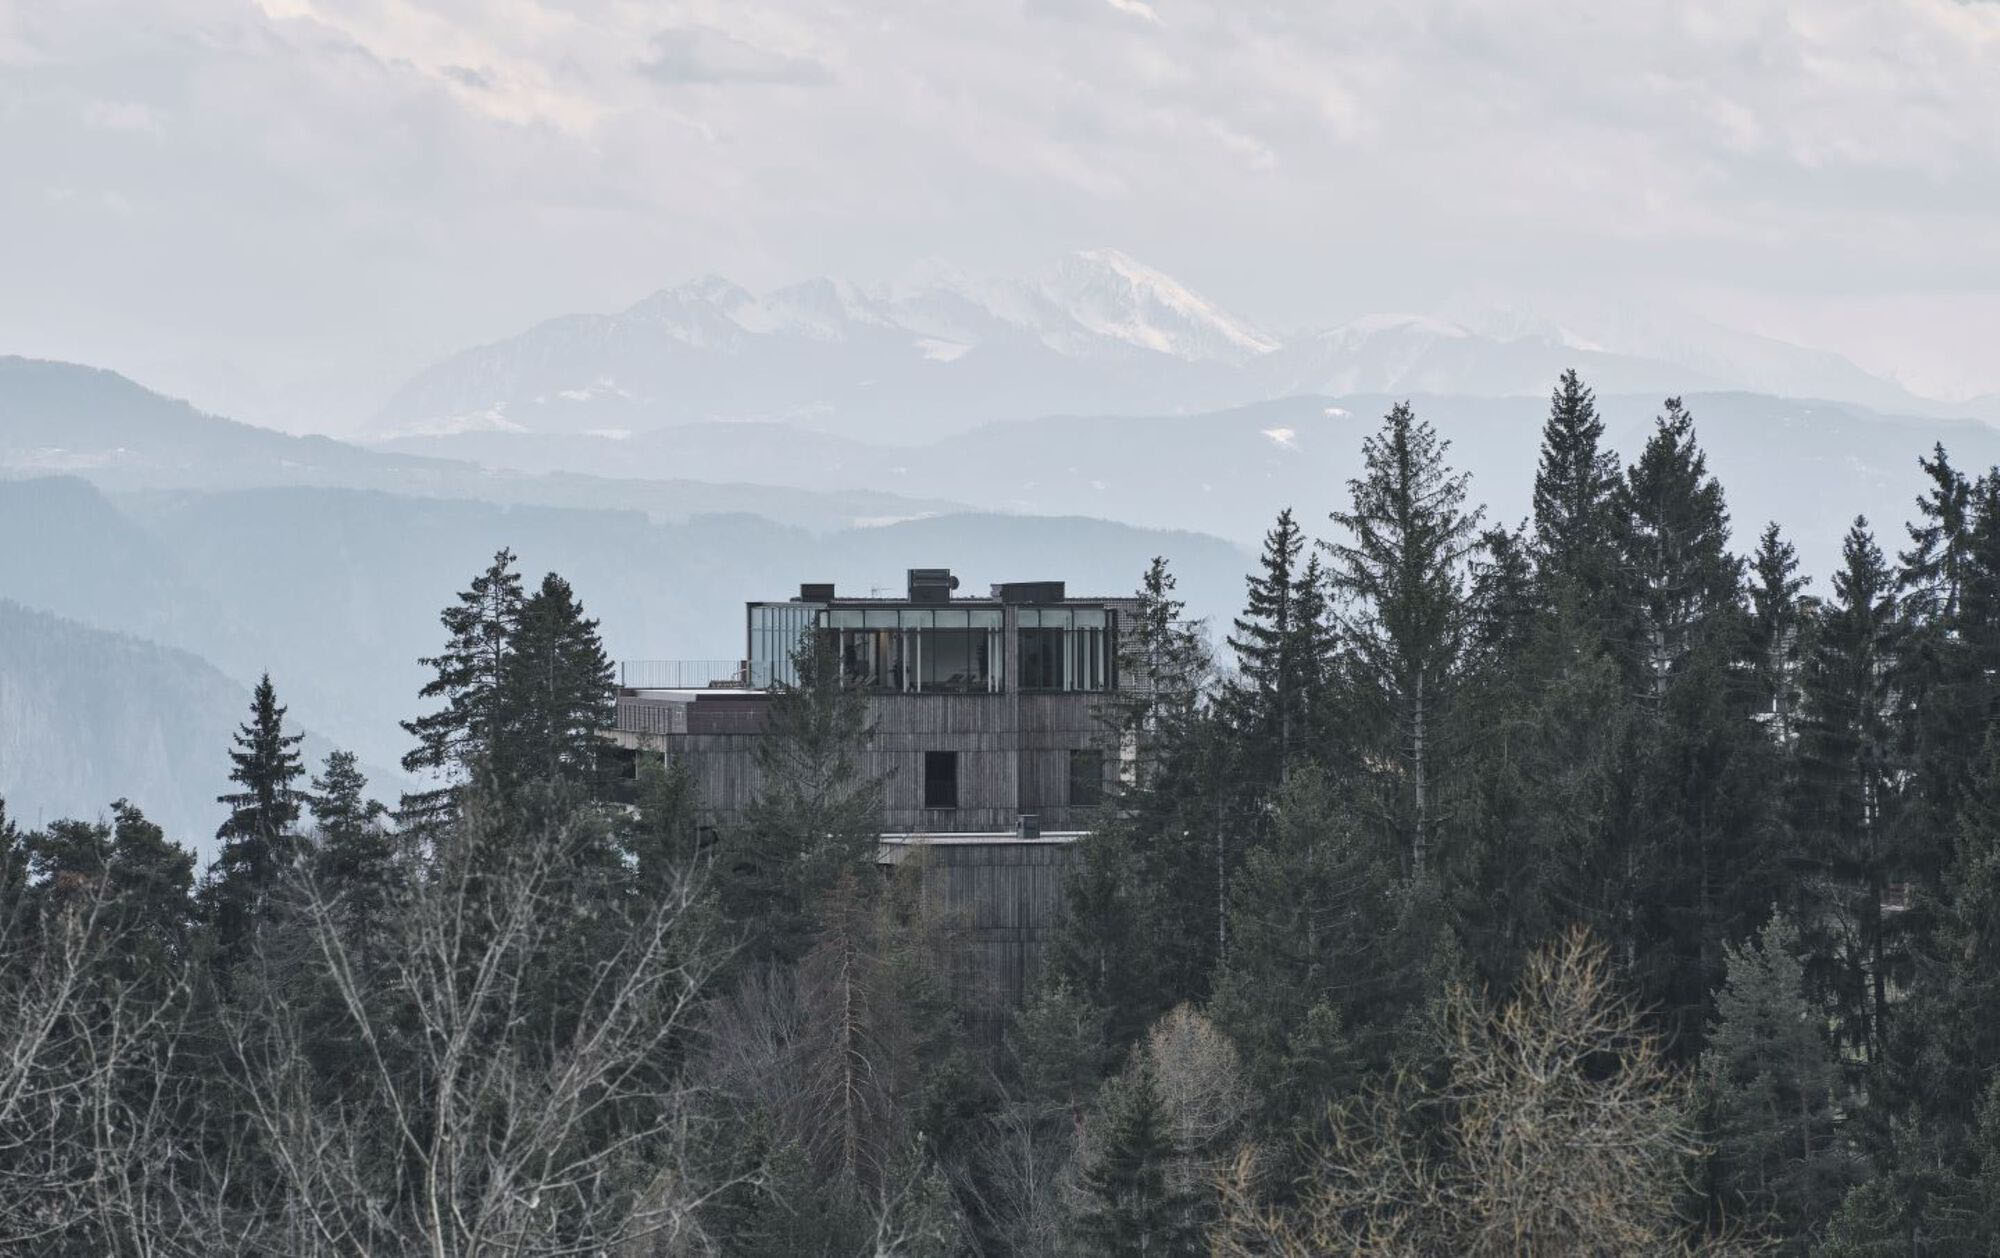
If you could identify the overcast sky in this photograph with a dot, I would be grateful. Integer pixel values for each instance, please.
(278, 207)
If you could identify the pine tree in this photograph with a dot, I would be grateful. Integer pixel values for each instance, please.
(1323, 936)
(1577, 490)
(1846, 794)
(1676, 550)
(1401, 576)
(1944, 686)
(1697, 836)
(1265, 701)
(1157, 867)
(1550, 766)
(1131, 1207)
(355, 854)
(1772, 1089)
(468, 735)
(1163, 675)
(260, 837)
(1776, 621)
(816, 814)
(558, 687)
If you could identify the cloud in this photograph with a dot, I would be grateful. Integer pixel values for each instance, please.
(122, 116)
(338, 190)
(694, 54)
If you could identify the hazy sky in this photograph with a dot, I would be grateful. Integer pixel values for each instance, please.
(278, 207)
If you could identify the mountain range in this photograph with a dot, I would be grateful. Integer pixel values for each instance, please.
(1093, 333)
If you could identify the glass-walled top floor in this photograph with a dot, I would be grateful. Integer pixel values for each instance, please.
(941, 650)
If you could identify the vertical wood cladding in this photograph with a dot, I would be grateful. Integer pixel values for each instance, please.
(998, 902)
(1013, 756)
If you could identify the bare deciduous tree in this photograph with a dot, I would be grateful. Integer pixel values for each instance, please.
(1561, 1132)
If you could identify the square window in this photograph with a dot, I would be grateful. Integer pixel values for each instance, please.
(1086, 778)
(940, 779)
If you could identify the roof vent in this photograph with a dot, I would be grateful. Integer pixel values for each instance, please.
(1029, 591)
(931, 585)
(816, 592)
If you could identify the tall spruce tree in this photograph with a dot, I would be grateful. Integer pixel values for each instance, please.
(1577, 491)
(467, 736)
(1846, 794)
(1400, 572)
(260, 836)
(1157, 868)
(354, 858)
(1776, 624)
(1945, 684)
(1676, 547)
(1266, 701)
(558, 688)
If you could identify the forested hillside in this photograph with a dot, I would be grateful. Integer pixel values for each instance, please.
(1590, 886)
(87, 717)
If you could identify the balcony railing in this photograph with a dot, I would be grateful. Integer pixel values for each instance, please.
(693, 675)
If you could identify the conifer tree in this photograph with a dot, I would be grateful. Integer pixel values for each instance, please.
(355, 854)
(260, 836)
(467, 736)
(1131, 1206)
(1551, 762)
(559, 687)
(815, 816)
(1676, 549)
(1845, 798)
(1400, 573)
(1577, 490)
(1945, 685)
(1326, 959)
(1772, 1090)
(1163, 670)
(1265, 702)
(1776, 621)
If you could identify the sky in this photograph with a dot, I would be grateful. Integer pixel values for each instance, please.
(280, 208)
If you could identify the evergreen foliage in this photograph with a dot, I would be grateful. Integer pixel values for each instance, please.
(1400, 573)
(467, 735)
(1131, 1205)
(1579, 759)
(1773, 1090)
(260, 838)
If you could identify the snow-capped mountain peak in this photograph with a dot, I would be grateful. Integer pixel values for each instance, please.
(1111, 295)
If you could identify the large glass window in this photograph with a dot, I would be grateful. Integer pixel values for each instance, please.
(1065, 648)
(918, 650)
(776, 629)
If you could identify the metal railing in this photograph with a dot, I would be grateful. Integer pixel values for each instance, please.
(688, 675)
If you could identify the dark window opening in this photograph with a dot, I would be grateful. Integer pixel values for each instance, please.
(1041, 659)
(1086, 778)
(940, 779)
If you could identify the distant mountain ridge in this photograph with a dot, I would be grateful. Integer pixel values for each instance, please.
(66, 419)
(1093, 333)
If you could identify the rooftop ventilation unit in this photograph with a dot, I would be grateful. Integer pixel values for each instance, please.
(1029, 591)
(931, 585)
(816, 592)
